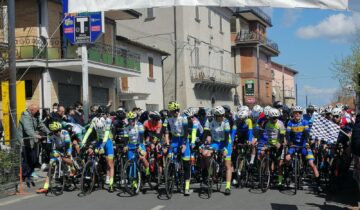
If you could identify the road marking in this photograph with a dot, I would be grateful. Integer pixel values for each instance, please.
(158, 207)
(17, 200)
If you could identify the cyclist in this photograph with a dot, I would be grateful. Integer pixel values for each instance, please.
(220, 140)
(178, 125)
(274, 133)
(134, 133)
(103, 125)
(297, 133)
(76, 133)
(59, 139)
(310, 115)
(244, 131)
(119, 125)
(328, 112)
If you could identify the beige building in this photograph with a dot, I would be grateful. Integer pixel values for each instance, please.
(199, 71)
(252, 52)
(283, 84)
(53, 74)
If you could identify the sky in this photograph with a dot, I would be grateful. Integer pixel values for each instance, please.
(310, 40)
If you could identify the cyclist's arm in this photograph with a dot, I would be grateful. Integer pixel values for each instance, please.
(107, 130)
(67, 141)
(250, 131)
(87, 134)
(141, 134)
(193, 133)
(227, 134)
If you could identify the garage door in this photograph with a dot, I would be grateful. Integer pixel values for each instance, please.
(68, 94)
(100, 96)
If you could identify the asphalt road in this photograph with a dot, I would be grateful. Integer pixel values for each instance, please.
(345, 195)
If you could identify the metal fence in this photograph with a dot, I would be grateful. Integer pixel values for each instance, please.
(10, 162)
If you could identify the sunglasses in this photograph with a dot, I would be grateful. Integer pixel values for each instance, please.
(336, 116)
(176, 110)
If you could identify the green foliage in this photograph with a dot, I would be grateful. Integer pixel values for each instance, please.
(347, 69)
(9, 166)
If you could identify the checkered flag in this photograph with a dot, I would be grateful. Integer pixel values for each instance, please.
(323, 129)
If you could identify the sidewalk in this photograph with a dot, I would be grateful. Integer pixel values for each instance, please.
(26, 189)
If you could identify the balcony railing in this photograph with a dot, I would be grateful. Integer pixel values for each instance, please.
(205, 74)
(30, 48)
(259, 12)
(256, 37)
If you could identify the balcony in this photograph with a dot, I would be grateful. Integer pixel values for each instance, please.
(212, 76)
(254, 14)
(29, 48)
(289, 95)
(250, 38)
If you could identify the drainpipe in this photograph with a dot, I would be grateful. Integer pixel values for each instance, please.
(162, 74)
(175, 52)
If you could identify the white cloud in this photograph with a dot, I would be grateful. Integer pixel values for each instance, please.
(314, 91)
(291, 16)
(338, 28)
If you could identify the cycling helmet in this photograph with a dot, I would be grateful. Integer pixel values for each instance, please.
(310, 108)
(154, 115)
(164, 113)
(144, 116)
(69, 128)
(322, 110)
(243, 114)
(339, 105)
(227, 108)
(121, 114)
(201, 112)
(173, 105)
(102, 110)
(267, 110)
(258, 108)
(274, 113)
(99, 123)
(189, 112)
(346, 107)
(131, 115)
(336, 112)
(328, 110)
(278, 104)
(219, 110)
(297, 109)
(285, 110)
(242, 108)
(55, 126)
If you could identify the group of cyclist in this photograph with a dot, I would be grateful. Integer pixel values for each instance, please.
(202, 130)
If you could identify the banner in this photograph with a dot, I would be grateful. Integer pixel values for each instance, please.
(76, 6)
(20, 105)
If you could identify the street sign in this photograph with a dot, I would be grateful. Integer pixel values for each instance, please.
(250, 100)
(82, 28)
(249, 87)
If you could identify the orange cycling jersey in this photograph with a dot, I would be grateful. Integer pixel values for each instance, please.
(152, 126)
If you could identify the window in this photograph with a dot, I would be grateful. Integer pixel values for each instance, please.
(150, 14)
(221, 28)
(152, 107)
(209, 18)
(124, 84)
(151, 67)
(197, 15)
(28, 89)
(233, 25)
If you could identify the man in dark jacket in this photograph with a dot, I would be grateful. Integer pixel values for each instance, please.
(59, 115)
(29, 127)
(79, 114)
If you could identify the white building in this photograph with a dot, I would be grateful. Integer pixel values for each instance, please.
(200, 70)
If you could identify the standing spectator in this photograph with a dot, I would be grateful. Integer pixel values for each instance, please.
(93, 110)
(59, 115)
(46, 116)
(1, 132)
(79, 114)
(70, 114)
(55, 107)
(29, 127)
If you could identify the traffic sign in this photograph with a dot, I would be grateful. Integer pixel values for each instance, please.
(82, 28)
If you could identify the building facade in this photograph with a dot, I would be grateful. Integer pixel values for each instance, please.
(199, 71)
(283, 84)
(52, 72)
(252, 52)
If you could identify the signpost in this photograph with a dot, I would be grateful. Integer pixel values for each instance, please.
(82, 29)
(249, 87)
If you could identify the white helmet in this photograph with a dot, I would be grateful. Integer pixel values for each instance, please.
(274, 113)
(258, 108)
(339, 105)
(189, 112)
(336, 112)
(243, 114)
(322, 110)
(328, 109)
(219, 110)
(297, 109)
(267, 110)
(239, 108)
(99, 123)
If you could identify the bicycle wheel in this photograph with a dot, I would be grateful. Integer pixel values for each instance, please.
(264, 176)
(241, 172)
(169, 178)
(211, 174)
(56, 179)
(296, 174)
(119, 166)
(88, 177)
(132, 177)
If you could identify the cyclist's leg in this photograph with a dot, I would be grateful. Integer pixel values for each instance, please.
(142, 158)
(109, 152)
(227, 162)
(186, 163)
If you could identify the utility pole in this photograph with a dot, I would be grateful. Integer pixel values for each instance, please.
(12, 69)
(306, 101)
(85, 81)
(283, 85)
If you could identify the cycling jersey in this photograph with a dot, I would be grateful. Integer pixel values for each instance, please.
(273, 132)
(218, 129)
(177, 125)
(61, 142)
(244, 130)
(77, 130)
(297, 132)
(134, 132)
(194, 127)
